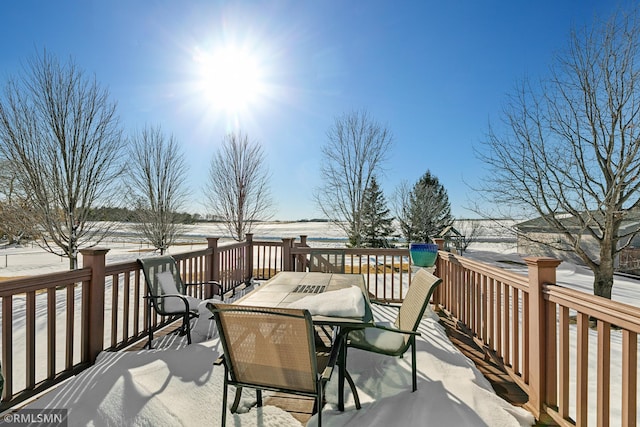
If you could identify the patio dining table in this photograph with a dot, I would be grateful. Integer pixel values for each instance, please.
(296, 289)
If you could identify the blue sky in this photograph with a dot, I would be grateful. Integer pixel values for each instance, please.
(435, 73)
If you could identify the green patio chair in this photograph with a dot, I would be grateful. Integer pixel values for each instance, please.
(167, 293)
(326, 261)
(272, 349)
(394, 340)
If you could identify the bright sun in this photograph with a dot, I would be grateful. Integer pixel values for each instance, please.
(231, 79)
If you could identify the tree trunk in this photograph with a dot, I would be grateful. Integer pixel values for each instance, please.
(603, 275)
(602, 284)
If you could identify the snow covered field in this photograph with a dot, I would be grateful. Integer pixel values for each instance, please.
(124, 246)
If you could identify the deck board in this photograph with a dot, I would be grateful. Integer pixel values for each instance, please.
(300, 407)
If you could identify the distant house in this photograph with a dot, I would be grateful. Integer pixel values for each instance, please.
(530, 232)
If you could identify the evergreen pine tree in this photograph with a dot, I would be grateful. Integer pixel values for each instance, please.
(429, 210)
(376, 223)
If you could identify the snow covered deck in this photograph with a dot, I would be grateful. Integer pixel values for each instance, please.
(176, 384)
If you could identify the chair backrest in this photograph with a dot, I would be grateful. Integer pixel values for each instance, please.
(162, 277)
(327, 261)
(416, 300)
(268, 347)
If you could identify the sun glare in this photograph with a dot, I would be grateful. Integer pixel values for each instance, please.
(231, 79)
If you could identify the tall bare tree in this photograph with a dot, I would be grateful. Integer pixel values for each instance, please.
(570, 148)
(356, 149)
(157, 186)
(62, 136)
(238, 186)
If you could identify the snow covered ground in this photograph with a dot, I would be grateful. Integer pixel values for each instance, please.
(178, 381)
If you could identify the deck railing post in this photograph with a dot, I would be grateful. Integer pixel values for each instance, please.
(93, 304)
(213, 265)
(440, 242)
(249, 255)
(287, 260)
(541, 271)
(301, 259)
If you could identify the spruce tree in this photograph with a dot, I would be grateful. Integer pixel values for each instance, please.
(428, 211)
(376, 223)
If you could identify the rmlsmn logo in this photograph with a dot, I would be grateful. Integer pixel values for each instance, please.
(39, 417)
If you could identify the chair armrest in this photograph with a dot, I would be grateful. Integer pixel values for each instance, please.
(400, 331)
(384, 303)
(184, 300)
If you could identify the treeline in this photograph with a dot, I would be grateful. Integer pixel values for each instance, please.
(109, 213)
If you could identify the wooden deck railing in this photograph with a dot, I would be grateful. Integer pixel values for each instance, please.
(85, 311)
(385, 270)
(526, 323)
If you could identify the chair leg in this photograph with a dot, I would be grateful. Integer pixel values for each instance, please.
(354, 391)
(259, 397)
(224, 397)
(186, 323)
(342, 375)
(413, 364)
(149, 325)
(342, 370)
(236, 400)
(319, 403)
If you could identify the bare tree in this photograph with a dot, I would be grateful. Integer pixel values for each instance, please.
(401, 202)
(238, 187)
(15, 221)
(157, 186)
(61, 134)
(471, 230)
(569, 152)
(356, 149)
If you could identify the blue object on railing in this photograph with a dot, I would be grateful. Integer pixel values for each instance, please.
(423, 254)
